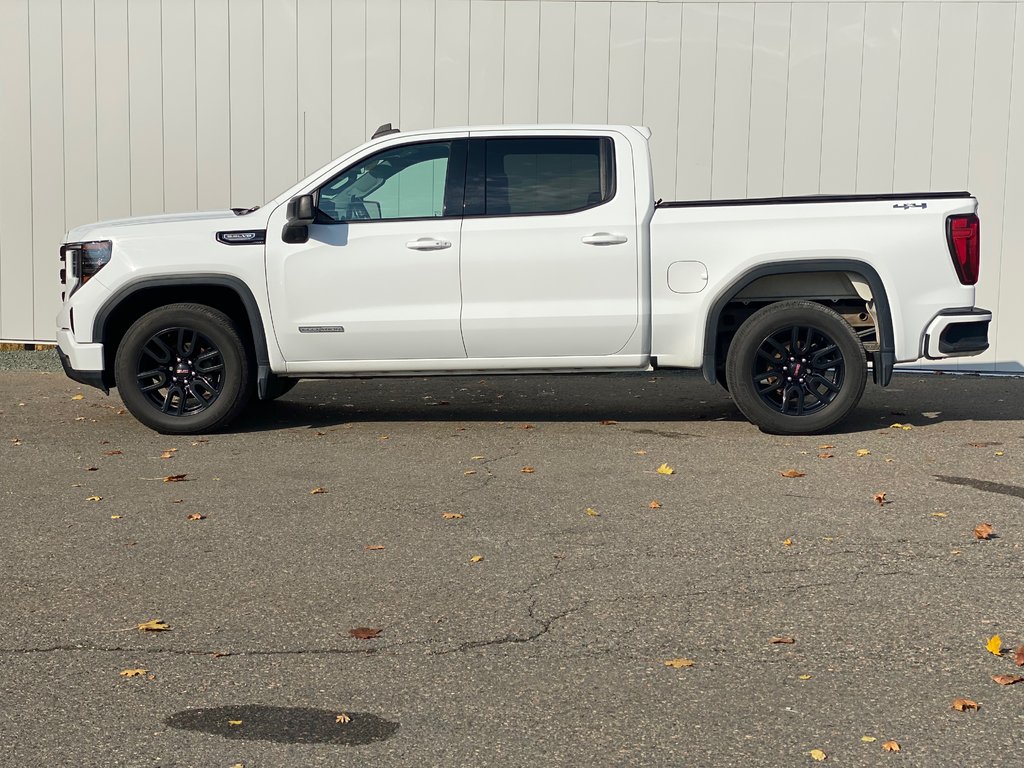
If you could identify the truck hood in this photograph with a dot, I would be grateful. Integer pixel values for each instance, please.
(213, 219)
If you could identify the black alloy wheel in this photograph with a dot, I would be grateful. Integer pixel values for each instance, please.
(184, 369)
(796, 367)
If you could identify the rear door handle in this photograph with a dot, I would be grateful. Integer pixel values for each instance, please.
(605, 238)
(428, 244)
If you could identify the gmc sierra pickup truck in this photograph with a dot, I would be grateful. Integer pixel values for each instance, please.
(518, 249)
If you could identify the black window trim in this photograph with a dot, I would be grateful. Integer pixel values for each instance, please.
(454, 186)
(476, 176)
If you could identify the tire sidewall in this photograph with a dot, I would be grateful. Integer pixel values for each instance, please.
(769, 320)
(219, 329)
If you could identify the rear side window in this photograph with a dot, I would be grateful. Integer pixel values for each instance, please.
(545, 175)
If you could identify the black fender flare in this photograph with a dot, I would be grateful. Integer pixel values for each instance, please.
(235, 284)
(883, 360)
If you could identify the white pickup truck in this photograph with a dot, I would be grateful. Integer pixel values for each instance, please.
(518, 249)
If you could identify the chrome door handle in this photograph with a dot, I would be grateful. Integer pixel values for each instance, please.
(428, 244)
(605, 238)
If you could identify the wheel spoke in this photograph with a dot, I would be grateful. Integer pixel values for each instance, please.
(818, 378)
(203, 363)
(156, 349)
(150, 380)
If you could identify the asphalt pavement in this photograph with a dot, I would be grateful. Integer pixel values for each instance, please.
(524, 617)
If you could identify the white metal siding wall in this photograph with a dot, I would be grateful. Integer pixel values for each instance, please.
(111, 108)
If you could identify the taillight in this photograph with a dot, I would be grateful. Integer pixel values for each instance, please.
(963, 233)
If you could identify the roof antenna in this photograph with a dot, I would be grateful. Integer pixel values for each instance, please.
(384, 130)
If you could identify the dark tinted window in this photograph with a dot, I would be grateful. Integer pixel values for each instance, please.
(546, 175)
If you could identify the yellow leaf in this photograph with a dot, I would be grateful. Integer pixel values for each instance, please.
(665, 469)
(168, 454)
(679, 663)
(115, 517)
(939, 514)
(153, 625)
(787, 542)
(1000, 453)
(317, 490)
(476, 458)
(469, 472)
(452, 515)
(891, 746)
(95, 498)
(803, 677)
(868, 739)
(234, 722)
(133, 672)
(995, 645)
(817, 754)
(904, 427)
(962, 705)
(476, 558)
(654, 505)
(78, 397)
(196, 516)
(527, 470)
(342, 718)
(863, 452)
(793, 473)
(592, 512)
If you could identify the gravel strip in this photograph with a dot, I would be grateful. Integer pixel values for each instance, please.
(42, 360)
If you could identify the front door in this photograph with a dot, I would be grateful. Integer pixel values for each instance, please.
(378, 278)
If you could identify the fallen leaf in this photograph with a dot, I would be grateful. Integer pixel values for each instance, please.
(365, 633)
(904, 427)
(825, 446)
(880, 499)
(476, 558)
(373, 547)
(133, 672)
(863, 452)
(92, 469)
(234, 722)
(607, 422)
(78, 397)
(679, 663)
(177, 501)
(167, 455)
(825, 455)
(787, 542)
(476, 458)
(995, 645)
(817, 754)
(317, 490)
(640, 453)
(154, 625)
(452, 515)
(665, 469)
(962, 705)
(115, 517)
(592, 512)
(175, 478)
(891, 746)
(94, 498)
(198, 442)
(782, 640)
(654, 505)
(793, 473)
(469, 472)
(80, 418)
(1007, 679)
(983, 531)
(527, 470)
(1000, 453)
(196, 516)
(803, 677)
(868, 739)
(220, 654)
(342, 718)
(526, 426)
(112, 453)
(939, 514)
(1018, 656)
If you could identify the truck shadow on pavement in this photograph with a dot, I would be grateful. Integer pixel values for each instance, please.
(676, 398)
(286, 725)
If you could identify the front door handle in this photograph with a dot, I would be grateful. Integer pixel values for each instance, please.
(605, 238)
(428, 244)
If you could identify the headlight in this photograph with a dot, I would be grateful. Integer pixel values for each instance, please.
(86, 258)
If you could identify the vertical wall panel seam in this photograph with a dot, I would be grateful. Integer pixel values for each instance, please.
(1006, 175)
(96, 102)
(935, 96)
(608, 68)
(163, 117)
(504, 34)
(679, 101)
(714, 101)
(643, 72)
(63, 137)
(263, 94)
(785, 114)
(540, 14)
(469, 56)
(974, 88)
(433, 106)
(31, 169)
(860, 95)
(195, 92)
(899, 91)
(128, 88)
(231, 147)
(824, 82)
(750, 98)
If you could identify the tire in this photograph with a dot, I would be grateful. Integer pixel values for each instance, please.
(796, 368)
(184, 369)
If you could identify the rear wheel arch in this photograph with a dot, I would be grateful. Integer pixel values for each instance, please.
(225, 293)
(858, 271)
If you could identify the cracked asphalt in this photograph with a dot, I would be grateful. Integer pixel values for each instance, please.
(551, 649)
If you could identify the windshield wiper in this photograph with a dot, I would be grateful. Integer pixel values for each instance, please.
(243, 211)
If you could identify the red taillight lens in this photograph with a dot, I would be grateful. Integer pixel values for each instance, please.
(963, 232)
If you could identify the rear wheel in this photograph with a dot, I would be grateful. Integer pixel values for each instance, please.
(183, 369)
(796, 367)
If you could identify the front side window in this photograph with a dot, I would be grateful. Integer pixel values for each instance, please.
(546, 175)
(406, 182)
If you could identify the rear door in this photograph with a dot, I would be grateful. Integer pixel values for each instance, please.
(549, 246)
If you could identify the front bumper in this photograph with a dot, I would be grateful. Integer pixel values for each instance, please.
(82, 362)
(957, 333)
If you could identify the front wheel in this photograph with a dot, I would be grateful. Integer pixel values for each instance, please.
(796, 368)
(183, 369)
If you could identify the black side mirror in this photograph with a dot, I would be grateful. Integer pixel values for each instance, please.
(301, 213)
